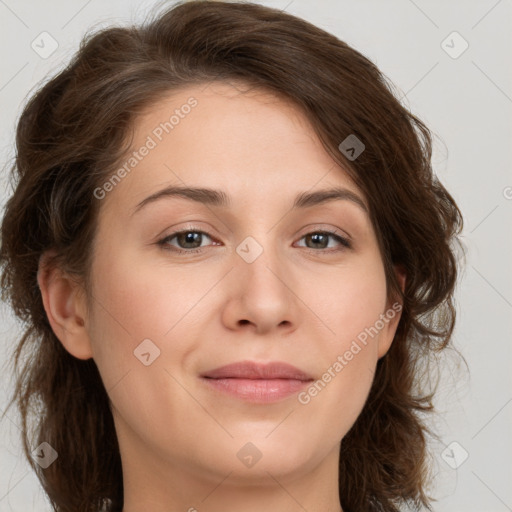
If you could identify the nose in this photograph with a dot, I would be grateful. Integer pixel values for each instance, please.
(260, 297)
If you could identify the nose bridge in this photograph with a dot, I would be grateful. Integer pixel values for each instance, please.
(261, 278)
(261, 261)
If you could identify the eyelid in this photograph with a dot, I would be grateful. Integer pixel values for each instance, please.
(319, 228)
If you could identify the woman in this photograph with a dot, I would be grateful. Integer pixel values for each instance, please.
(234, 259)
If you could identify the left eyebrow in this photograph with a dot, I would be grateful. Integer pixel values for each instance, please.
(308, 199)
(219, 198)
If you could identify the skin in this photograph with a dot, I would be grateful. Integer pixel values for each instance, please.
(297, 303)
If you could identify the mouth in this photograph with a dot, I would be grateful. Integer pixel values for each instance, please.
(257, 383)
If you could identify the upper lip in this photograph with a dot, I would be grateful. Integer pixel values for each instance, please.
(253, 370)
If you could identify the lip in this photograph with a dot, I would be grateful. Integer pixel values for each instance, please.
(257, 382)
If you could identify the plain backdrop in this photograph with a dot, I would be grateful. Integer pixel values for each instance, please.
(465, 97)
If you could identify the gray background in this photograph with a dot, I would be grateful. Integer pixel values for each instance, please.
(466, 101)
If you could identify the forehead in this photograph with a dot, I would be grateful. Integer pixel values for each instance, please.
(225, 135)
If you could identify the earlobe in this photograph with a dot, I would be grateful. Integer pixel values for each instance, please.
(392, 315)
(65, 308)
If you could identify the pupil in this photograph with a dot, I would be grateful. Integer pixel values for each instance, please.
(317, 236)
(190, 237)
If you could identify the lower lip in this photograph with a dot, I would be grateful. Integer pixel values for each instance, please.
(261, 391)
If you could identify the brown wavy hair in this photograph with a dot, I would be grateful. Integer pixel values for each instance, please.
(74, 131)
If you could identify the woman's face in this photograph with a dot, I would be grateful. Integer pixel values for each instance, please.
(252, 278)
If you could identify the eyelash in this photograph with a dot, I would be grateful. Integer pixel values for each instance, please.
(164, 242)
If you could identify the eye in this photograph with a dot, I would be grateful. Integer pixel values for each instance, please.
(189, 241)
(319, 240)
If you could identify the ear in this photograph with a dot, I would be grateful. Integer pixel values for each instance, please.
(65, 306)
(391, 317)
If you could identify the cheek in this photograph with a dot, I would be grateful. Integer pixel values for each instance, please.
(337, 396)
(352, 310)
(143, 300)
(349, 300)
(134, 301)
